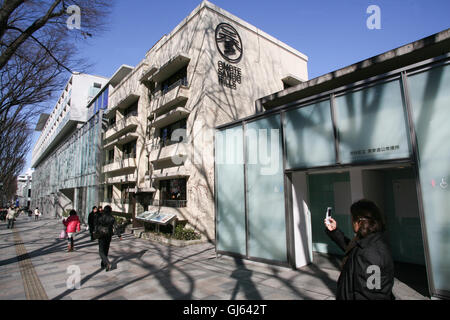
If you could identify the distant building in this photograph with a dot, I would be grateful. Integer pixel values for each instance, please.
(64, 156)
(24, 189)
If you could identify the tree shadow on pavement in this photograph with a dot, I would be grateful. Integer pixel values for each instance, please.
(244, 282)
(82, 282)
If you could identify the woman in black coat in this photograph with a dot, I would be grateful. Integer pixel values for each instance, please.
(91, 221)
(105, 221)
(368, 268)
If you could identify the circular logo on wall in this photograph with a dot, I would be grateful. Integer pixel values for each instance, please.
(229, 43)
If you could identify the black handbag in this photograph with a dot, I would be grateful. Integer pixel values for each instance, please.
(100, 232)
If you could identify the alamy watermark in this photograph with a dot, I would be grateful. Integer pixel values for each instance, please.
(263, 148)
(74, 21)
(374, 20)
(374, 281)
(74, 279)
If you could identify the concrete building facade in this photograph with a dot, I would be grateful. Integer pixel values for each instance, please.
(160, 146)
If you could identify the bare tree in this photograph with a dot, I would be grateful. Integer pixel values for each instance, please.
(38, 50)
(14, 137)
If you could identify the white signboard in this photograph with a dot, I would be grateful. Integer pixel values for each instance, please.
(156, 217)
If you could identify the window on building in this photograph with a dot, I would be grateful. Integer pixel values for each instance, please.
(112, 121)
(125, 192)
(97, 85)
(109, 193)
(131, 110)
(110, 158)
(105, 99)
(173, 192)
(179, 78)
(166, 133)
(129, 150)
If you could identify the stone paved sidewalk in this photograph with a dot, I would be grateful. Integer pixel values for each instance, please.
(148, 270)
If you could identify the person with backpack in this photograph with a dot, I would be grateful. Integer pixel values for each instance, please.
(104, 230)
(72, 224)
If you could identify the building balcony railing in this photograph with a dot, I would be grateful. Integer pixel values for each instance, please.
(170, 203)
(124, 119)
(164, 99)
(167, 150)
(121, 179)
(127, 161)
(129, 156)
(120, 139)
(129, 122)
(163, 143)
(121, 201)
(174, 115)
(181, 82)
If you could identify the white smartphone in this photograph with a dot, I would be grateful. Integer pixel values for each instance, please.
(328, 216)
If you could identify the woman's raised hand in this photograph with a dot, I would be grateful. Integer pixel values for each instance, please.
(332, 225)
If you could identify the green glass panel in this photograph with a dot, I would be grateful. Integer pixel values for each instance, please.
(430, 102)
(372, 124)
(309, 136)
(323, 190)
(265, 192)
(404, 229)
(230, 190)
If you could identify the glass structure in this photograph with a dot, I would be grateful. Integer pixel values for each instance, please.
(430, 102)
(75, 164)
(397, 118)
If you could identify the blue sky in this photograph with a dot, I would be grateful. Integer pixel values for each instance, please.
(333, 34)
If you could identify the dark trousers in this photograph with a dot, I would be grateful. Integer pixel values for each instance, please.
(103, 249)
(70, 241)
(10, 223)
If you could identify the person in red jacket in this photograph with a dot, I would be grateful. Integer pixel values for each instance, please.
(72, 224)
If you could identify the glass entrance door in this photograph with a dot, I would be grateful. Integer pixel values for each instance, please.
(329, 190)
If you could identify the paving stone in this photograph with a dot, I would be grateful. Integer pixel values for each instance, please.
(147, 270)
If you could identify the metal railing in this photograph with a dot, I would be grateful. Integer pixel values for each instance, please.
(169, 203)
(123, 120)
(121, 201)
(181, 82)
(165, 143)
(128, 156)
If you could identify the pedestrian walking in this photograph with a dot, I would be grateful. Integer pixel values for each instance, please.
(37, 214)
(72, 224)
(368, 267)
(104, 230)
(10, 217)
(91, 221)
